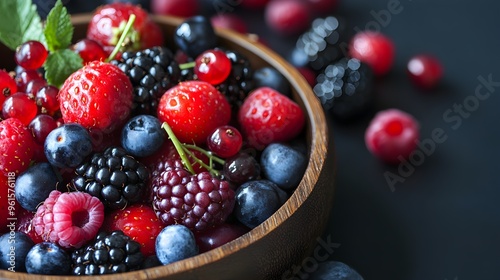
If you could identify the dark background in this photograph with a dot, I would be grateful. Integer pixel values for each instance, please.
(443, 221)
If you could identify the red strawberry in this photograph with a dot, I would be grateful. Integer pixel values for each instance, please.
(108, 22)
(97, 96)
(17, 146)
(268, 116)
(194, 109)
(139, 222)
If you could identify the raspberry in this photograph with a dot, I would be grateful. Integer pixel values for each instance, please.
(345, 88)
(196, 201)
(392, 135)
(108, 253)
(69, 219)
(151, 71)
(113, 176)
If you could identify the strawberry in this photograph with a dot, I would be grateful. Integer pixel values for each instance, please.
(194, 109)
(98, 96)
(139, 222)
(17, 146)
(267, 116)
(108, 22)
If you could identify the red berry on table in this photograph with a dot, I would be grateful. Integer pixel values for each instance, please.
(193, 109)
(425, 71)
(268, 116)
(20, 105)
(139, 222)
(89, 50)
(288, 16)
(178, 8)
(254, 4)
(33, 86)
(97, 96)
(31, 55)
(229, 21)
(17, 146)
(225, 141)
(392, 135)
(108, 23)
(8, 85)
(375, 49)
(212, 66)
(322, 6)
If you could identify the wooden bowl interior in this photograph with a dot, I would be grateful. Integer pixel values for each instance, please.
(284, 220)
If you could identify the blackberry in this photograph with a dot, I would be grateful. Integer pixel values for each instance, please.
(324, 43)
(113, 176)
(152, 72)
(109, 253)
(345, 88)
(240, 82)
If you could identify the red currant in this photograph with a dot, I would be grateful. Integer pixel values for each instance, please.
(33, 86)
(24, 77)
(31, 55)
(212, 66)
(21, 106)
(7, 85)
(41, 126)
(225, 141)
(46, 99)
(288, 17)
(425, 71)
(89, 50)
(392, 135)
(375, 49)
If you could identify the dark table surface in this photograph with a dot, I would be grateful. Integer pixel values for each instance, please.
(442, 220)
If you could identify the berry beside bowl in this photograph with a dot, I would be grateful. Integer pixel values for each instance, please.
(289, 235)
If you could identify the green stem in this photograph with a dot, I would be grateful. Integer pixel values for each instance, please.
(187, 65)
(126, 30)
(200, 162)
(208, 154)
(179, 147)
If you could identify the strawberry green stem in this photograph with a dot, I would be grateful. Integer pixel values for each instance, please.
(119, 44)
(178, 146)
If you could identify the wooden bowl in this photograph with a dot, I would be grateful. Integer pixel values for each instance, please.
(290, 234)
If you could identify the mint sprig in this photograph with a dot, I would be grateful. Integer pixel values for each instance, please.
(60, 64)
(19, 22)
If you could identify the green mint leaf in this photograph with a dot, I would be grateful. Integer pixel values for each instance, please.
(60, 64)
(58, 28)
(19, 22)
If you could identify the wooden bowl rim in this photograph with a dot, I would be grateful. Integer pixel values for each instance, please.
(319, 136)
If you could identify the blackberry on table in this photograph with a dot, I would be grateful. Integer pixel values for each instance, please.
(109, 253)
(345, 88)
(152, 72)
(113, 176)
(321, 45)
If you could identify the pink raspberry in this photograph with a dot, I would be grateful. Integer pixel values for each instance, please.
(196, 201)
(69, 219)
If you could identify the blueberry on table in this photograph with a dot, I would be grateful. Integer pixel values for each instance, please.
(49, 259)
(34, 185)
(256, 201)
(142, 135)
(68, 145)
(13, 250)
(175, 243)
(283, 165)
(334, 270)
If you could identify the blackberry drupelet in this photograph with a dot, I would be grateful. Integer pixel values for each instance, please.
(345, 88)
(324, 43)
(151, 71)
(113, 176)
(109, 253)
(240, 82)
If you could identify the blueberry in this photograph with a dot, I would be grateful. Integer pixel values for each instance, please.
(335, 271)
(14, 246)
(34, 185)
(283, 164)
(151, 261)
(142, 135)
(256, 201)
(48, 259)
(270, 77)
(175, 243)
(195, 35)
(68, 145)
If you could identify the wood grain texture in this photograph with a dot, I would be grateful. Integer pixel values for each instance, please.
(288, 236)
